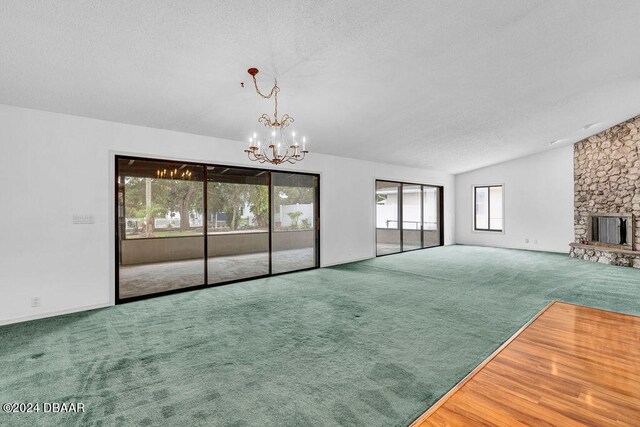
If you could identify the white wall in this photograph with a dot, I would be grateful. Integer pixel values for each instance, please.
(538, 197)
(53, 166)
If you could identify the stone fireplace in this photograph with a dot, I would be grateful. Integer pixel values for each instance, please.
(607, 196)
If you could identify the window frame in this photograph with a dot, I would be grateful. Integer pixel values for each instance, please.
(475, 228)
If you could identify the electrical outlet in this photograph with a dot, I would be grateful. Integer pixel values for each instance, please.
(535, 242)
(35, 301)
(526, 240)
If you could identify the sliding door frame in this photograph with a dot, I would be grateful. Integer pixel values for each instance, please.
(205, 224)
(401, 214)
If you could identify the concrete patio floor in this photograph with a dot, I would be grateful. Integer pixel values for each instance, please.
(146, 279)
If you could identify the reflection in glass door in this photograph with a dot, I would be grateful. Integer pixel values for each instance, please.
(237, 223)
(295, 212)
(161, 237)
(388, 196)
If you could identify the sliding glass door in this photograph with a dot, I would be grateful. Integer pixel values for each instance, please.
(408, 217)
(161, 244)
(256, 223)
(432, 224)
(237, 223)
(388, 203)
(295, 212)
(411, 217)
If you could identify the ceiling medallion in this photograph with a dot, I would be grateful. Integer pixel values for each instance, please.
(275, 145)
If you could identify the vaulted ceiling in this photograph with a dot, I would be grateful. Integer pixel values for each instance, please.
(444, 85)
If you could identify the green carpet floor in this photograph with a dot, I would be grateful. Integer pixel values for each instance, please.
(368, 343)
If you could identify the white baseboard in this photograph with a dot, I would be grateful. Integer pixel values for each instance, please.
(46, 314)
(370, 257)
(347, 261)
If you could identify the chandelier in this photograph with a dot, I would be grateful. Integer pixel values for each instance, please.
(276, 145)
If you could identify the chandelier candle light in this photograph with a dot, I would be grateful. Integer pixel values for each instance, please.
(173, 174)
(276, 145)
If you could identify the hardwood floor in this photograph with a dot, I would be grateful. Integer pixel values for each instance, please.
(570, 366)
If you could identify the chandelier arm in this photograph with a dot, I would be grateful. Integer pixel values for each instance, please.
(296, 157)
(286, 120)
(260, 155)
(265, 120)
(286, 154)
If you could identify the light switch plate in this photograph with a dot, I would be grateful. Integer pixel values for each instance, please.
(84, 219)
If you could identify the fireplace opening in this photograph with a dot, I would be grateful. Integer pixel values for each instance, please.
(611, 230)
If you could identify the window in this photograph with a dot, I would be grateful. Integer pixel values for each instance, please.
(488, 203)
(408, 217)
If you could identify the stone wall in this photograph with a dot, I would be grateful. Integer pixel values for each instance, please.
(607, 180)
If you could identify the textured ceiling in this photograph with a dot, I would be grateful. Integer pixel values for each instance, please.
(445, 85)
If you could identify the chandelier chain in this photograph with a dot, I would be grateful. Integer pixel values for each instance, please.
(274, 92)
